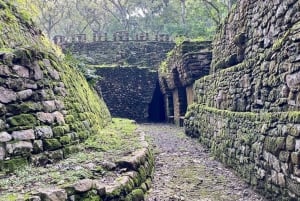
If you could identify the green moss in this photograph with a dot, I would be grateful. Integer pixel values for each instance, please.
(23, 120)
(51, 144)
(68, 150)
(137, 195)
(13, 164)
(65, 139)
(69, 119)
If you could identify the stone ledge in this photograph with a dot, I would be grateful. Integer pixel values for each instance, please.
(135, 179)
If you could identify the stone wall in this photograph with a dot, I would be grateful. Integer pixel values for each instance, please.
(185, 63)
(46, 106)
(128, 91)
(129, 74)
(246, 110)
(124, 53)
(263, 148)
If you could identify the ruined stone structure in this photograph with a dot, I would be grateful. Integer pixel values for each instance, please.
(46, 107)
(246, 110)
(128, 75)
(186, 63)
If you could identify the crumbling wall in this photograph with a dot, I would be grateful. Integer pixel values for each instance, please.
(46, 107)
(246, 110)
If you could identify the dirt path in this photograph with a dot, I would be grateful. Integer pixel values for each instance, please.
(186, 171)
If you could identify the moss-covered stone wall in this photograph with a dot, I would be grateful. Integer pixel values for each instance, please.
(46, 106)
(263, 148)
(123, 53)
(246, 110)
(128, 91)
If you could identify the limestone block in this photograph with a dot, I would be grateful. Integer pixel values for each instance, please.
(43, 132)
(38, 73)
(297, 145)
(2, 124)
(7, 95)
(19, 147)
(25, 94)
(59, 105)
(21, 71)
(23, 135)
(290, 143)
(293, 80)
(52, 194)
(284, 156)
(49, 106)
(56, 155)
(59, 117)
(2, 152)
(83, 185)
(45, 117)
(52, 72)
(4, 71)
(296, 158)
(281, 180)
(5, 137)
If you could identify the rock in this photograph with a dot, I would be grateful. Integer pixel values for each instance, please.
(53, 194)
(43, 132)
(19, 147)
(59, 117)
(49, 106)
(296, 158)
(108, 165)
(21, 71)
(59, 105)
(2, 124)
(4, 71)
(52, 72)
(7, 95)
(297, 145)
(83, 185)
(100, 188)
(290, 143)
(23, 135)
(25, 94)
(293, 80)
(5, 137)
(38, 73)
(45, 117)
(2, 152)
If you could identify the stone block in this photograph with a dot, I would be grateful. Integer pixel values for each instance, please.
(19, 148)
(21, 71)
(284, 156)
(23, 135)
(5, 137)
(38, 146)
(290, 143)
(297, 145)
(7, 95)
(295, 156)
(274, 144)
(43, 132)
(84, 185)
(51, 194)
(25, 94)
(22, 120)
(2, 152)
(49, 106)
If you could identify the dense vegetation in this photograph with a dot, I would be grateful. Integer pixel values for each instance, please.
(190, 18)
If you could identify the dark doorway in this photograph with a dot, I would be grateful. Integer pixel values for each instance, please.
(156, 109)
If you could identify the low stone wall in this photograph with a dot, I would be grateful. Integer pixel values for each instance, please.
(128, 91)
(263, 148)
(134, 181)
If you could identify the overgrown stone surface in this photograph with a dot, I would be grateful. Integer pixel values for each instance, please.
(120, 169)
(39, 91)
(126, 72)
(123, 53)
(184, 170)
(246, 110)
(127, 91)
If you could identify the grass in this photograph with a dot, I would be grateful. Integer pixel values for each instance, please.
(112, 142)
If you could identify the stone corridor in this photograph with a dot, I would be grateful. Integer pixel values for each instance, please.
(186, 171)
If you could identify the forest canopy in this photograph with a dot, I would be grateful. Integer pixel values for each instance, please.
(189, 18)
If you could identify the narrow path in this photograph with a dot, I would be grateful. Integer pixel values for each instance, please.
(186, 171)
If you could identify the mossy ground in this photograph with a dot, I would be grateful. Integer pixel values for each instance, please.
(111, 143)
